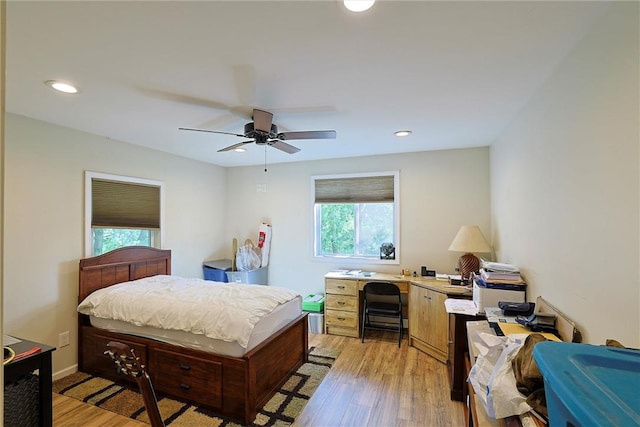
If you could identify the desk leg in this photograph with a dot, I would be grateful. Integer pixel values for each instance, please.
(46, 398)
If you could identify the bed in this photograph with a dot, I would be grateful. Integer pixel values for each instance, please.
(234, 384)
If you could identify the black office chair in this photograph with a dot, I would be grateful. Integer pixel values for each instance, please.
(382, 299)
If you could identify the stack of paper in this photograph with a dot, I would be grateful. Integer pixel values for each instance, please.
(495, 272)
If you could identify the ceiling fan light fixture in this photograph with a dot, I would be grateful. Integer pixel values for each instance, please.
(239, 150)
(402, 133)
(358, 5)
(61, 86)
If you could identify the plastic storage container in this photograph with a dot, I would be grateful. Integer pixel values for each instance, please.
(589, 385)
(215, 269)
(316, 323)
(259, 276)
(313, 303)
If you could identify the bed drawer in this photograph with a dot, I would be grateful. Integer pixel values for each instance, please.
(105, 365)
(187, 377)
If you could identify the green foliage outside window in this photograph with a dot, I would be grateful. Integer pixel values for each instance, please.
(108, 239)
(355, 229)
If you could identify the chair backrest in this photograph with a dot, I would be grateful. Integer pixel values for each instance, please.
(381, 288)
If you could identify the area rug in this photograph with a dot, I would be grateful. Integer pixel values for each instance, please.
(281, 410)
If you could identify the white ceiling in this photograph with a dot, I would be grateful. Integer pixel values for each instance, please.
(453, 72)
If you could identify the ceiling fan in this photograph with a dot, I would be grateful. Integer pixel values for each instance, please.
(263, 131)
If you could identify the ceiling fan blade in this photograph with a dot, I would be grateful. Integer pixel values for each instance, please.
(311, 134)
(283, 146)
(225, 121)
(213, 131)
(234, 146)
(184, 99)
(262, 120)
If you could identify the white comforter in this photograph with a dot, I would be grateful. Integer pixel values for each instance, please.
(218, 310)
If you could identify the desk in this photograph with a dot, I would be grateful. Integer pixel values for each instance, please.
(40, 361)
(476, 415)
(428, 319)
(458, 353)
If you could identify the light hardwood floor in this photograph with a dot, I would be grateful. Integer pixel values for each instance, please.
(371, 384)
(375, 383)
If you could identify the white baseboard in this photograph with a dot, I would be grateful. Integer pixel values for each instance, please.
(67, 371)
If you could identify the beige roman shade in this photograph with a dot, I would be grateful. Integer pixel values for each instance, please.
(366, 189)
(125, 205)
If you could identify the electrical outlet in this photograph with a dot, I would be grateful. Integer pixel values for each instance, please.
(63, 339)
(261, 188)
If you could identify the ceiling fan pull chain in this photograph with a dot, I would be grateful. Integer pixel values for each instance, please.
(265, 158)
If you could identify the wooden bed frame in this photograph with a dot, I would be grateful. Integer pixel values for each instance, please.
(237, 387)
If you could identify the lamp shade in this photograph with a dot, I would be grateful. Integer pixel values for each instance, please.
(469, 239)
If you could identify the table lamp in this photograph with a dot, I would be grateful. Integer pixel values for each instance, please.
(469, 239)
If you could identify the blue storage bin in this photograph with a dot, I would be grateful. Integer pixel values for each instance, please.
(259, 276)
(588, 385)
(216, 270)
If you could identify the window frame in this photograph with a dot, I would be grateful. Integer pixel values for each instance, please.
(157, 236)
(315, 225)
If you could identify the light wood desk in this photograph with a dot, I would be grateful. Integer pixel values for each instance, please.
(477, 416)
(428, 318)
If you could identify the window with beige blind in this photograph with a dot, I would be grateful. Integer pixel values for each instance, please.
(121, 211)
(354, 214)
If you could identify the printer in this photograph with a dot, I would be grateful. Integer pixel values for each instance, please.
(490, 295)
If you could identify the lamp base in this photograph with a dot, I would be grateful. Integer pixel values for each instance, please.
(467, 264)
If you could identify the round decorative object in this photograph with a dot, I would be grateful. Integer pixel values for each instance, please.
(468, 263)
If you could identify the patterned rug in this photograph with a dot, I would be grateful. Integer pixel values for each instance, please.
(281, 410)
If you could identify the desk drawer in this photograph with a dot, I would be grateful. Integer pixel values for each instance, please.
(341, 318)
(341, 302)
(341, 287)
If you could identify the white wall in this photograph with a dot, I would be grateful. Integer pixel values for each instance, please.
(439, 192)
(205, 206)
(565, 184)
(43, 219)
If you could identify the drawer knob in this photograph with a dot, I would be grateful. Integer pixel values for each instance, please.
(185, 386)
(341, 287)
(341, 303)
(185, 367)
(341, 319)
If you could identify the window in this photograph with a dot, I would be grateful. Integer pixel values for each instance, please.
(355, 214)
(121, 211)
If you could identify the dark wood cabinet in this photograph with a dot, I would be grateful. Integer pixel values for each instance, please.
(22, 366)
(458, 347)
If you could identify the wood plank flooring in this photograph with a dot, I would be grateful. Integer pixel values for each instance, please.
(69, 412)
(374, 383)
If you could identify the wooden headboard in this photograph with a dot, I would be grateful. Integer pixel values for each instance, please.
(121, 265)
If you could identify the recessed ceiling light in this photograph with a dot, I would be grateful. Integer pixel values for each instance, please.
(61, 86)
(358, 5)
(240, 150)
(402, 133)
